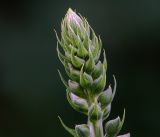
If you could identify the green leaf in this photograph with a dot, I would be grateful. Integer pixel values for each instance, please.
(61, 57)
(59, 41)
(74, 74)
(104, 60)
(82, 52)
(76, 61)
(62, 79)
(86, 42)
(85, 79)
(71, 131)
(97, 47)
(106, 111)
(90, 64)
(122, 121)
(114, 89)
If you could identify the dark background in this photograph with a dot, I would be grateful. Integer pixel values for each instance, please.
(31, 93)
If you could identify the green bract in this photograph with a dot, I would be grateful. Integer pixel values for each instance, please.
(79, 50)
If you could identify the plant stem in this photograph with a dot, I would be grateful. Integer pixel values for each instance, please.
(96, 128)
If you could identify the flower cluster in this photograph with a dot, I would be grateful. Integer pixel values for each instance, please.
(79, 50)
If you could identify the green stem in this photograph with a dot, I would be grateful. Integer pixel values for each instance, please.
(96, 128)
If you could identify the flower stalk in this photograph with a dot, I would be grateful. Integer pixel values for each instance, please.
(79, 50)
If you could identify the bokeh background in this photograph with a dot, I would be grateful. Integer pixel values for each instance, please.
(31, 93)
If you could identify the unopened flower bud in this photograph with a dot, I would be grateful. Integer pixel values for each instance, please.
(106, 111)
(113, 127)
(95, 112)
(85, 79)
(82, 130)
(76, 89)
(77, 103)
(72, 19)
(105, 97)
(100, 82)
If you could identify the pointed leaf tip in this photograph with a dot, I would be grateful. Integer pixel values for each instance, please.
(62, 79)
(71, 131)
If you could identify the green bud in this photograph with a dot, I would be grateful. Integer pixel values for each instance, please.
(73, 73)
(72, 20)
(76, 89)
(76, 61)
(85, 79)
(95, 112)
(112, 127)
(106, 111)
(77, 103)
(90, 64)
(98, 69)
(97, 47)
(86, 41)
(82, 51)
(99, 83)
(105, 97)
(82, 130)
(61, 57)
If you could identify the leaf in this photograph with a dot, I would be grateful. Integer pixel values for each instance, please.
(106, 112)
(99, 83)
(76, 61)
(123, 118)
(85, 79)
(95, 113)
(61, 57)
(62, 79)
(82, 52)
(104, 60)
(59, 41)
(74, 74)
(71, 131)
(114, 89)
(90, 64)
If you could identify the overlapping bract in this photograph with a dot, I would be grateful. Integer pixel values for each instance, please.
(79, 50)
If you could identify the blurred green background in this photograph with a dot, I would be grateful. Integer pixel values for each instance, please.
(31, 93)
